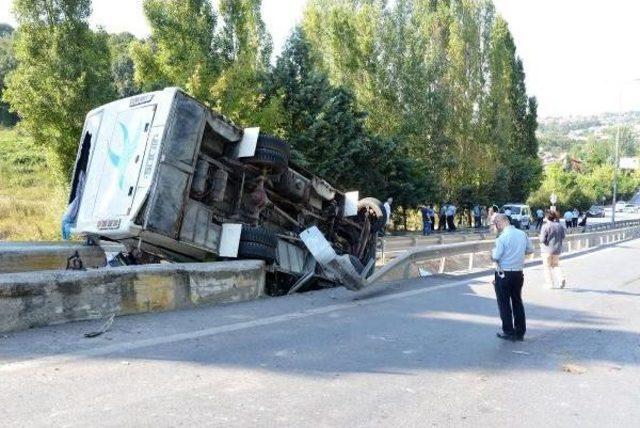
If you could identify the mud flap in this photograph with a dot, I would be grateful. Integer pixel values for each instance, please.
(338, 267)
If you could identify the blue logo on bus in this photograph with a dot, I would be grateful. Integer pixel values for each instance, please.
(121, 161)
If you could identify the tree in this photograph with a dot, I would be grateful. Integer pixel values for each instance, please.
(442, 79)
(245, 50)
(223, 65)
(328, 134)
(122, 67)
(7, 65)
(181, 49)
(62, 72)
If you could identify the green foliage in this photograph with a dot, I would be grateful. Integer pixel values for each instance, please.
(223, 65)
(7, 64)
(422, 100)
(62, 72)
(442, 79)
(122, 68)
(31, 202)
(328, 134)
(580, 190)
(243, 37)
(180, 50)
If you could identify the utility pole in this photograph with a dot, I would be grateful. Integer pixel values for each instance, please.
(616, 162)
(616, 155)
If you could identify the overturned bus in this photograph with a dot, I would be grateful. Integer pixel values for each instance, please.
(173, 180)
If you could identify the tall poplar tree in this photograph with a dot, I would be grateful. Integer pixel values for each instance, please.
(62, 72)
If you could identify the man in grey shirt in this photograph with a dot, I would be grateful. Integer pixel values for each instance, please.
(509, 252)
(551, 237)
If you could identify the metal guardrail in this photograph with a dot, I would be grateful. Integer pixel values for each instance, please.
(391, 248)
(467, 256)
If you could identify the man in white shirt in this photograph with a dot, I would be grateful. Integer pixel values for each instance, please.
(539, 218)
(509, 252)
(387, 209)
(442, 219)
(451, 213)
(568, 218)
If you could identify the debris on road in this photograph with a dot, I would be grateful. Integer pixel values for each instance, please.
(573, 368)
(105, 327)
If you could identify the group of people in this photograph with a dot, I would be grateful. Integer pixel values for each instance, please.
(446, 218)
(509, 252)
(573, 218)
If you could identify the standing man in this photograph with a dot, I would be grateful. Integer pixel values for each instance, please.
(426, 221)
(493, 209)
(451, 213)
(539, 218)
(432, 217)
(551, 236)
(477, 216)
(387, 209)
(507, 212)
(442, 217)
(509, 252)
(576, 214)
(568, 218)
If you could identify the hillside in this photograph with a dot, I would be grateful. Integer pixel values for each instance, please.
(31, 201)
(561, 135)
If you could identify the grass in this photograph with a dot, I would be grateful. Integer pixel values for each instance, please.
(31, 199)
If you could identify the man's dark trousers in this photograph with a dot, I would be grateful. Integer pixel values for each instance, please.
(442, 222)
(451, 223)
(433, 223)
(509, 296)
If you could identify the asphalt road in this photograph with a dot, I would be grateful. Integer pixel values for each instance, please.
(415, 354)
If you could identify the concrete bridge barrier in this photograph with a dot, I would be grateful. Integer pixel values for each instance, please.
(34, 256)
(52, 297)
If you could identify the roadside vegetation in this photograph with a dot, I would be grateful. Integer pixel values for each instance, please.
(421, 100)
(31, 200)
(584, 151)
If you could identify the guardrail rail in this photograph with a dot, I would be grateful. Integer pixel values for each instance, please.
(468, 256)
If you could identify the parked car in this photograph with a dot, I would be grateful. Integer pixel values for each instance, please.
(173, 180)
(520, 215)
(620, 206)
(630, 208)
(596, 211)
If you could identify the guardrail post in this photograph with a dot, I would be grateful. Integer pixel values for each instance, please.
(569, 245)
(470, 261)
(442, 263)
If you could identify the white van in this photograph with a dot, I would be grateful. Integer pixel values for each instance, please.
(168, 177)
(520, 215)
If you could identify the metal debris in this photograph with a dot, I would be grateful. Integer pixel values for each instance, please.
(105, 327)
(572, 368)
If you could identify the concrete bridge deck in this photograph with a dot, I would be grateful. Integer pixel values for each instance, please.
(417, 353)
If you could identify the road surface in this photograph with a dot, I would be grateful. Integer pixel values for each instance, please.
(414, 354)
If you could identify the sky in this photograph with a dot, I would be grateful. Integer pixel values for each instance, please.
(581, 57)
